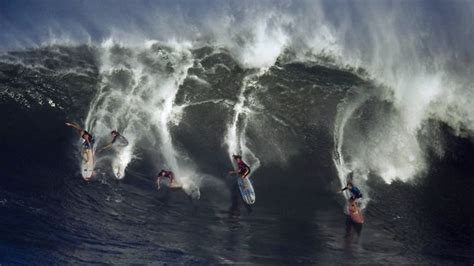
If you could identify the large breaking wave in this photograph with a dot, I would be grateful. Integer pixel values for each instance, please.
(420, 61)
(375, 89)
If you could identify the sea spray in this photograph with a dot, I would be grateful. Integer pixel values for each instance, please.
(235, 138)
(137, 92)
(345, 110)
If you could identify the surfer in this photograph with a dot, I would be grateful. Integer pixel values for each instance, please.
(167, 174)
(243, 169)
(355, 192)
(236, 197)
(116, 137)
(88, 139)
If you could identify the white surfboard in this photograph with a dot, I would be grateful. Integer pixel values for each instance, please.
(118, 169)
(175, 184)
(246, 189)
(87, 166)
(166, 182)
(118, 172)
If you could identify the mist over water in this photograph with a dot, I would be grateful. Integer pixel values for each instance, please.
(305, 91)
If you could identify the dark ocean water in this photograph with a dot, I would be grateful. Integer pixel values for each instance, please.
(50, 215)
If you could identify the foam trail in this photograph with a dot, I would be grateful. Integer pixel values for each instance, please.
(138, 89)
(345, 111)
(164, 116)
(113, 106)
(235, 138)
(120, 162)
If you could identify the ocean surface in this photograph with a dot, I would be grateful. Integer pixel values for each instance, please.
(401, 122)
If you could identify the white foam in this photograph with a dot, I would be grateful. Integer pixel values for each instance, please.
(236, 139)
(426, 64)
(137, 94)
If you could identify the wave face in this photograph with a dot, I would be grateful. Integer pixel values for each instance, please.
(307, 92)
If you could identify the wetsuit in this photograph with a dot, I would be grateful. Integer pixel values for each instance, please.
(87, 144)
(167, 174)
(356, 194)
(243, 168)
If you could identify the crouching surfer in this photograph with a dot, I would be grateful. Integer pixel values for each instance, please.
(354, 211)
(117, 139)
(166, 174)
(355, 191)
(118, 142)
(88, 139)
(87, 166)
(243, 171)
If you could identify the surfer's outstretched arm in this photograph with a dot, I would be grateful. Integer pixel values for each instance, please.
(77, 127)
(74, 125)
(341, 190)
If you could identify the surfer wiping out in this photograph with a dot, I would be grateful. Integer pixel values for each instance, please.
(88, 139)
(166, 174)
(116, 137)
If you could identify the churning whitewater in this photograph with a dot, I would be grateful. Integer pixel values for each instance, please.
(311, 94)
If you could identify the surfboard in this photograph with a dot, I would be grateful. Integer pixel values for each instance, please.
(87, 166)
(246, 189)
(356, 214)
(174, 185)
(117, 169)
